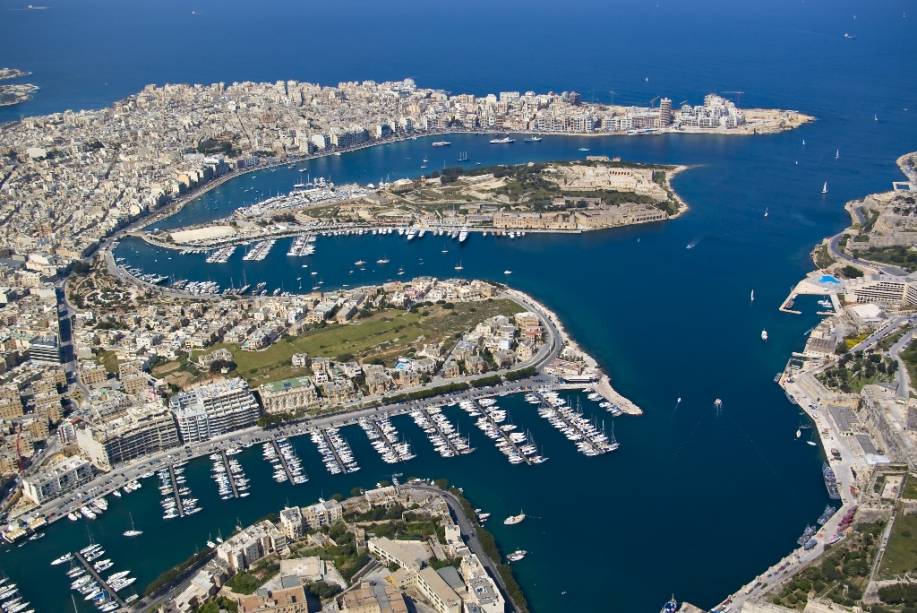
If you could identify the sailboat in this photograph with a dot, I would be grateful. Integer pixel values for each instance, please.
(459, 266)
(837, 154)
(824, 188)
(875, 117)
(133, 531)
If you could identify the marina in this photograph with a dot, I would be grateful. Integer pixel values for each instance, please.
(589, 440)
(221, 255)
(228, 475)
(335, 452)
(514, 445)
(259, 251)
(446, 440)
(92, 586)
(286, 464)
(386, 440)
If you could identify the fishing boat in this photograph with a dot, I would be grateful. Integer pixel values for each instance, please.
(517, 555)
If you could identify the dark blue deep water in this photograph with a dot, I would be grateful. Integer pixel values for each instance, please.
(693, 503)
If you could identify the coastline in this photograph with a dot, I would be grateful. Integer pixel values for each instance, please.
(799, 385)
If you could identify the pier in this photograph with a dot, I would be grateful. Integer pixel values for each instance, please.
(334, 450)
(439, 431)
(95, 575)
(174, 480)
(229, 475)
(390, 448)
(576, 428)
(283, 460)
(485, 411)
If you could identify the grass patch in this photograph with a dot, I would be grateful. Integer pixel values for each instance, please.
(901, 553)
(910, 488)
(853, 371)
(821, 257)
(840, 576)
(381, 337)
(909, 356)
(108, 359)
(904, 257)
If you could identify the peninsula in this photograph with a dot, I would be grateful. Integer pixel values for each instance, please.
(592, 194)
(854, 379)
(399, 547)
(69, 180)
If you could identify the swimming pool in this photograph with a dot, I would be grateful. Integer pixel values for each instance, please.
(829, 279)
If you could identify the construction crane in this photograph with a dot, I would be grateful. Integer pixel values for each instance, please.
(738, 96)
(653, 101)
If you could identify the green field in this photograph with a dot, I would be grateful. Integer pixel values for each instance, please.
(381, 338)
(901, 552)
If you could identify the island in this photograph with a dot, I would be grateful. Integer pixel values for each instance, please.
(592, 194)
(854, 379)
(17, 93)
(12, 73)
(83, 176)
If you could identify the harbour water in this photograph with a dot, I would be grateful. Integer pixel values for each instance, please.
(694, 502)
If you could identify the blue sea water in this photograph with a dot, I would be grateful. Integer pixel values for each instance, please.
(694, 502)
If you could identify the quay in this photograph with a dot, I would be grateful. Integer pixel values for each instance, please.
(229, 476)
(283, 460)
(506, 437)
(95, 575)
(439, 431)
(174, 480)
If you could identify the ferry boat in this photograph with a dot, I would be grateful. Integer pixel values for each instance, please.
(517, 555)
(506, 140)
(512, 520)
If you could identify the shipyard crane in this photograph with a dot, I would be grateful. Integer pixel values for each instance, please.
(738, 96)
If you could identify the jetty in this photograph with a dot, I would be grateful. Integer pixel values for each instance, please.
(95, 575)
(385, 440)
(496, 428)
(283, 461)
(229, 475)
(174, 480)
(445, 436)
